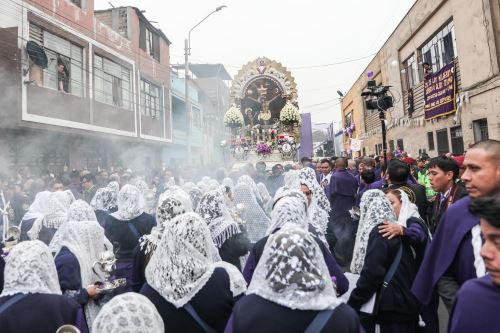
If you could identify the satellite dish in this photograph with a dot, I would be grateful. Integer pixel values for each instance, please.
(37, 54)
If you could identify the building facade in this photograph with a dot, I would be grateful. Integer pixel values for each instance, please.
(456, 38)
(102, 97)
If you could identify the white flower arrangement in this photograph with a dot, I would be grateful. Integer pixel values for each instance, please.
(290, 114)
(233, 117)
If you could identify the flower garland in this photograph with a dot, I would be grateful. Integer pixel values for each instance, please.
(290, 114)
(233, 117)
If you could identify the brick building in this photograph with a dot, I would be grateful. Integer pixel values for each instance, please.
(462, 34)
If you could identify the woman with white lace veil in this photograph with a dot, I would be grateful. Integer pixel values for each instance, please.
(256, 220)
(319, 206)
(374, 255)
(290, 288)
(31, 300)
(267, 201)
(103, 203)
(180, 194)
(50, 210)
(124, 228)
(128, 313)
(78, 211)
(290, 210)
(168, 209)
(226, 233)
(80, 246)
(245, 179)
(182, 277)
(195, 195)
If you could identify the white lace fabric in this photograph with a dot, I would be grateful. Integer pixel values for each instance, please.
(292, 272)
(86, 241)
(130, 203)
(169, 208)
(408, 209)
(30, 269)
(229, 183)
(374, 209)
(257, 222)
(184, 261)
(320, 206)
(128, 313)
(213, 209)
(289, 209)
(52, 210)
(178, 193)
(250, 182)
(104, 199)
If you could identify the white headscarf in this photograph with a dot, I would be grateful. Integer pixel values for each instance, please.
(408, 209)
(256, 219)
(53, 209)
(130, 203)
(36, 209)
(169, 208)
(128, 313)
(178, 193)
(78, 211)
(30, 269)
(184, 261)
(289, 209)
(320, 206)
(292, 272)
(245, 179)
(86, 241)
(104, 199)
(214, 211)
(374, 209)
(195, 195)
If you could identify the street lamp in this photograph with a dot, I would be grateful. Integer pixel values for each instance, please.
(187, 53)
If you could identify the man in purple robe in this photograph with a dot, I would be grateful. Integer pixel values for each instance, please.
(344, 187)
(478, 301)
(453, 255)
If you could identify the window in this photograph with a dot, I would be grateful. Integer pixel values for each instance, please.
(480, 128)
(399, 145)
(457, 141)
(430, 140)
(410, 72)
(442, 141)
(441, 49)
(149, 41)
(64, 71)
(196, 116)
(151, 100)
(112, 83)
(77, 3)
(348, 119)
(391, 145)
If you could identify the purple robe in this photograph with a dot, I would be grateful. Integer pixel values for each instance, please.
(344, 189)
(476, 307)
(449, 252)
(39, 313)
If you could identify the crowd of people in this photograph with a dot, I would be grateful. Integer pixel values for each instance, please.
(337, 245)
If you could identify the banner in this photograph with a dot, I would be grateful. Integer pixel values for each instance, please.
(356, 145)
(439, 93)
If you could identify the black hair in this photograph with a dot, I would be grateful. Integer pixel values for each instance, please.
(446, 164)
(89, 177)
(398, 171)
(305, 159)
(368, 176)
(74, 174)
(288, 167)
(325, 160)
(492, 146)
(487, 208)
(276, 166)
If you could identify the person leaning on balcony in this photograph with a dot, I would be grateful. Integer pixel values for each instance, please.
(62, 77)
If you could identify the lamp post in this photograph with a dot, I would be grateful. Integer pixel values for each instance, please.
(187, 53)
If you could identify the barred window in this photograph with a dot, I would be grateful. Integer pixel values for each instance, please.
(112, 83)
(151, 98)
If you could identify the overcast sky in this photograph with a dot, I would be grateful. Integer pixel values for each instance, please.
(297, 33)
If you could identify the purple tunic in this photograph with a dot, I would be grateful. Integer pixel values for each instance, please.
(449, 252)
(476, 307)
(38, 313)
(344, 189)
